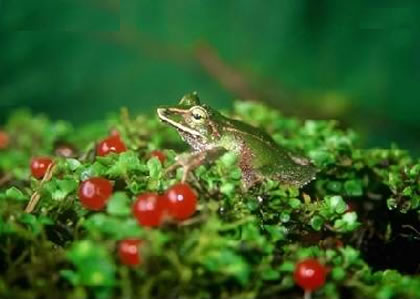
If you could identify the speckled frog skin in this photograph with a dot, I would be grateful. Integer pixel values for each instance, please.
(210, 134)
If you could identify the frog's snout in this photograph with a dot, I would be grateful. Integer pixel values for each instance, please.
(162, 112)
(165, 115)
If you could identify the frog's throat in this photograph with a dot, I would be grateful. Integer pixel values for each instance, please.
(161, 114)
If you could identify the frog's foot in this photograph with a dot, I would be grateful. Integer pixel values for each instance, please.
(188, 162)
(171, 168)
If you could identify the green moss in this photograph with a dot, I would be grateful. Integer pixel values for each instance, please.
(357, 217)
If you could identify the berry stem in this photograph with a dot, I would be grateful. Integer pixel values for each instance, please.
(36, 196)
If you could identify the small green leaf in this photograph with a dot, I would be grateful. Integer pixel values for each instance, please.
(317, 222)
(408, 191)
(93, 263)
(415, 202)
(334, 186)
(119, 204)
(270, 274)
(65, 187)
(348, 222)
(338, 273)
(16, 194)
(287, 267)
(321, 157)
(35, 223)
(394, 180)
(125, 163)
(353, 187)
(113, 227)
(294, 203)
(415, 171)
(70, 276)
(94, 170)
(350, 254)
(336, 203)
(285, 217)
(228, 263)
(252, 205)
(155, 168)
(235, 174)
(277, 232)
(73, 164)
(227, 188)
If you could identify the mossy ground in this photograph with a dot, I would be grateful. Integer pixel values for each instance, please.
(360, 217)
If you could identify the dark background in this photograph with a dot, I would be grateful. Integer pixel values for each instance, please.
(356, 61)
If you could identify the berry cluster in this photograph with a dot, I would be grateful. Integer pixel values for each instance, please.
(179, 202)
(151, 209)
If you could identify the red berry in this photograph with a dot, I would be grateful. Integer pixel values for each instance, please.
(158, 154)
(310, 274)
(111, 144)
(149, 209)
(128, 250)
(4, 140)
(94, 193)
(39, 166)
(181, 201)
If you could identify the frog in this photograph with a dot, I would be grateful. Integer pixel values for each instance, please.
(212, 134)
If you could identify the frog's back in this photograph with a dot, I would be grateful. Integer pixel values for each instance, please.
(289, 171)
(248, 131)
(263, 156)
(276, 162)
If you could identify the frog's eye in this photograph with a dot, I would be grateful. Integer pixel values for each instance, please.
(198, 114)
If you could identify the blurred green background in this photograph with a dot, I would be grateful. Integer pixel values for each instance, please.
(356, 61)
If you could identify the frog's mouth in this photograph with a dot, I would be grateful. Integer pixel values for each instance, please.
(164, 115)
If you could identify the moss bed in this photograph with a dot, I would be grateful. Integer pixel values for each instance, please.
(360, 217)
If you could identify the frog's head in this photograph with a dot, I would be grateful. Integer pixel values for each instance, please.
(195, 122)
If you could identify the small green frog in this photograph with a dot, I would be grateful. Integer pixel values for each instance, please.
(211, 134)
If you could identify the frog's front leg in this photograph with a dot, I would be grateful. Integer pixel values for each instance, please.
(190, 161)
